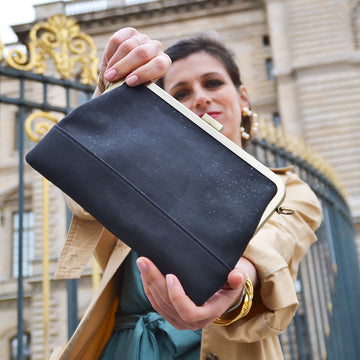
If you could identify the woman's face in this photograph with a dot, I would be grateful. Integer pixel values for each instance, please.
(201, 82)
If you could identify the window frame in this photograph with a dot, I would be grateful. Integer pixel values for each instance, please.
(28, 243)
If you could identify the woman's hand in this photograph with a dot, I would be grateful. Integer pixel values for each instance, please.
(169, 299)
(132, 56)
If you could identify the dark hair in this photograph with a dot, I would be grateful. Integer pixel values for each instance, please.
(204, 42)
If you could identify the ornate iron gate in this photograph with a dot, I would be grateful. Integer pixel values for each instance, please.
(74, 55)
(322, 327)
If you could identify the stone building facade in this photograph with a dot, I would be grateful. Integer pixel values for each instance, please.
(300, 61)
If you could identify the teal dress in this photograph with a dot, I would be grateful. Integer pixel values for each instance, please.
(141, 333)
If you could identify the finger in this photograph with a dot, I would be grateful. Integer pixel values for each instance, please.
(191, 316)
(185, 307)
(152, 71)
(157, 301)
(154, 284)
(146, 62)
(188, 310)
(112, 47)
(165, 314)
(128, 45)
(150, 277)
(150, 273)
(109, 51)
(236, 278)
(192, 313)
(114, 42)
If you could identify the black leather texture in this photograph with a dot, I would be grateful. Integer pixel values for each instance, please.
(160, 183)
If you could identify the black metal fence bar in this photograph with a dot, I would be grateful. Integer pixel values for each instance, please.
(17, 74)
(21, 136)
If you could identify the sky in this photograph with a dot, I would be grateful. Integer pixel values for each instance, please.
(14, 12)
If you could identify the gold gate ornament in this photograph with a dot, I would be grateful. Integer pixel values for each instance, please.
(58, 38)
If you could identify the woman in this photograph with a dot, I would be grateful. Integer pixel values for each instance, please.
(123, 323)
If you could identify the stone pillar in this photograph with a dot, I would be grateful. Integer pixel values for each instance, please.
(276, 12)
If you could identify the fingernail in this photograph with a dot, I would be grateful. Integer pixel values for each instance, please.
(170, 281)
(110, 75)
(132, 80)
(142, 265)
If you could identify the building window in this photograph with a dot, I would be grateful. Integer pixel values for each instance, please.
(269, 69)
(26, 347)
(27, 245)
(276, 119)
(266, 40)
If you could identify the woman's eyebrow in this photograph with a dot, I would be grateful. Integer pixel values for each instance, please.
(209, 74)
(180, 83)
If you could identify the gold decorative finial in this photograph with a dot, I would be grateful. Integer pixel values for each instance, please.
(38, 124)
(271, 131)
(299, 149)
(58, 38)
(1, 49)
(289, 144)
(262, 133)
(280, 137)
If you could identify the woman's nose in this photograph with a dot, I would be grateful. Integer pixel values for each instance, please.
(202, 99)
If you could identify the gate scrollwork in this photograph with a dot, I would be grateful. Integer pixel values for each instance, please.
(38, 124)
(58, 38)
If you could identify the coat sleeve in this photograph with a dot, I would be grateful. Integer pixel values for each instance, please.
(77, 210)
(86, 237)
(276, 251)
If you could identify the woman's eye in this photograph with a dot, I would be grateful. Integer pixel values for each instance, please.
(214, 83)
(181, 95)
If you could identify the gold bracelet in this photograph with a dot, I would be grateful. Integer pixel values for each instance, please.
(228, 317)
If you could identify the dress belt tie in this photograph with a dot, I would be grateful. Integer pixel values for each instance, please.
(146, 330)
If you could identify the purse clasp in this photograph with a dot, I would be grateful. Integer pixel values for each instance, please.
(211, 121)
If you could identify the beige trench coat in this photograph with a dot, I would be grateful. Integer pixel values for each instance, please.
(276, 251)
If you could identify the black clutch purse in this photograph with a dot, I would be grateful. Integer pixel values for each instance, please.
(163, 181)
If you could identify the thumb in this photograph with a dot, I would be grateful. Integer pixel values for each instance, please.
(236, 278)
